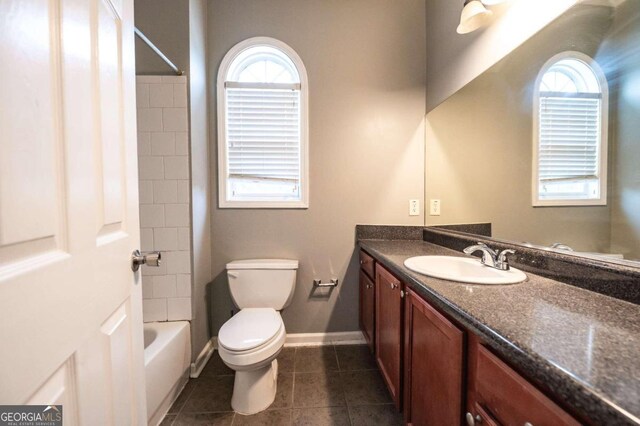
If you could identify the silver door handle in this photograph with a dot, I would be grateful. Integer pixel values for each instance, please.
(149, 258)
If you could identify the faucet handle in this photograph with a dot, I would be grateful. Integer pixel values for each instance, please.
(502, 261)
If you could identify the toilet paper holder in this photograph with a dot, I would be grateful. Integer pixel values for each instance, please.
(318, 283)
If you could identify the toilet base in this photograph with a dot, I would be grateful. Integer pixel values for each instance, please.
(255, 390)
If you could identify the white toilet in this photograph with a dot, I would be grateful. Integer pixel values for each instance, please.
(251, 340)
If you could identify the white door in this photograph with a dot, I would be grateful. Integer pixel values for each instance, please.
(70, 306)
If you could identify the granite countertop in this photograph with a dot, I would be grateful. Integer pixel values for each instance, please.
(582, 346)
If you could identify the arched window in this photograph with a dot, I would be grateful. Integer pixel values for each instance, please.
(570, 132)
(262, 127)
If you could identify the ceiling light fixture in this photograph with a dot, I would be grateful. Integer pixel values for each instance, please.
(474, 15)
(492, 2)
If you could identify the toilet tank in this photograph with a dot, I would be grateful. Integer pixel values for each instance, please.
(262, 283)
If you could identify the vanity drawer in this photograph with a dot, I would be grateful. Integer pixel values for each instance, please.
(509, 398)
(367, 264)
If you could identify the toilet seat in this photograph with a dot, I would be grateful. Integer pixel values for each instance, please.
(251, 337)
(249, 329)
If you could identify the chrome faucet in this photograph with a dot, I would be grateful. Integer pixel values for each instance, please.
(490, 257)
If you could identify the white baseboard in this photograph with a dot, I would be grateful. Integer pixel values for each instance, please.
(292, 340)
(319, 339)
(203, 357)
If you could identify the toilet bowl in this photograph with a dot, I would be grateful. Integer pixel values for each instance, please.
(249, 344)
(251, 340)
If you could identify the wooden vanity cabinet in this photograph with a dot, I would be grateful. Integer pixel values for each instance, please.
(367, 299)
(437, 371)
(388, 340)
(499, 395)
(433, 366)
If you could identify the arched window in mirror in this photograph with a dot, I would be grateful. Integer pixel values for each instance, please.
(570, 133)
(262, 126)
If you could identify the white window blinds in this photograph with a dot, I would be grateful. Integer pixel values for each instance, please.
(569, 136)
(263, 133)
(263, 136)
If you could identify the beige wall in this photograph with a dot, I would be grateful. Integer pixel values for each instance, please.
(455, 60)
(366, 66)
(479, 146)
(201, 197)
(166, 24)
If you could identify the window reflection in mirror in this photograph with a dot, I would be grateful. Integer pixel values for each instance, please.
(570, 110)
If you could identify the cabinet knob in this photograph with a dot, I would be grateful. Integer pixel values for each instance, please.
(393, 285)
(471, 421)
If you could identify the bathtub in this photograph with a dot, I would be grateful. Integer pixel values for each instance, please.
(167, 358)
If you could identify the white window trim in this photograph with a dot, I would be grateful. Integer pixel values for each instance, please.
(604, 136)
(223, 202)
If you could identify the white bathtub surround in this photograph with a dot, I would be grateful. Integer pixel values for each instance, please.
(163, 150)
(167, 356)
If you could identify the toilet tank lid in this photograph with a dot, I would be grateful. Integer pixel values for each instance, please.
(263, 264)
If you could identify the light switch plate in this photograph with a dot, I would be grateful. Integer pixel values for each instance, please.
(414, 207)
(434, 207)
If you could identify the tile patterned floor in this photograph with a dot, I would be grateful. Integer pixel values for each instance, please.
(326, 385)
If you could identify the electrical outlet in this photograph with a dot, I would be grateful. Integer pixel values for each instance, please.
(414, 207)
(434, 207)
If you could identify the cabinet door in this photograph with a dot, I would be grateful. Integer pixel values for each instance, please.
(367, 264)
(433, 366)
(506, 396)
(367, 309)
(389, 330)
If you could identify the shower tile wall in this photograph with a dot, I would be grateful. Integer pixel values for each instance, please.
(163, 163)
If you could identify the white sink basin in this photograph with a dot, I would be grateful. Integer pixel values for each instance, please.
(463, 269)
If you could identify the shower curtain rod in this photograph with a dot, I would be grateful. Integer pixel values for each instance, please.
(158, 52)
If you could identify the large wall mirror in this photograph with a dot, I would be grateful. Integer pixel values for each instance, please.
(545, 145)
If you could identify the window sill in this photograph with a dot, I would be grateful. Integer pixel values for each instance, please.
(569, 203)
(263, 204)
